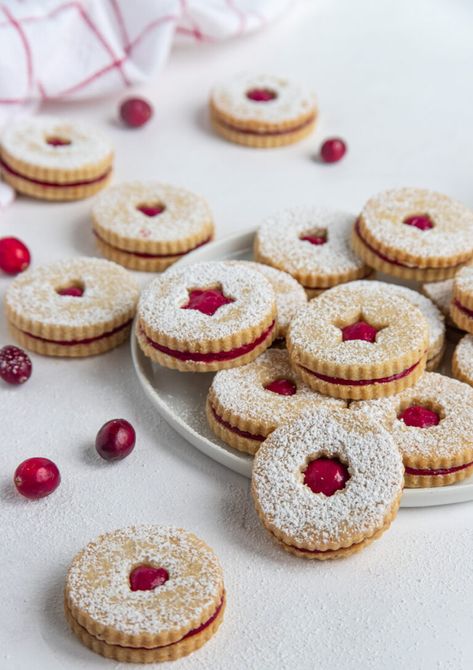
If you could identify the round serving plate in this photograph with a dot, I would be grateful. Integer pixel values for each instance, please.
(180, 398)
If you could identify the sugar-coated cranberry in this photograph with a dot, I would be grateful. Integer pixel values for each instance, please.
(135, 112)
(282, 387)
(115, 440)
(147, 578)
(419, 417)
(359, 331)
(420, 221)
(37, 478)
(333, 150)
(326, 475)
(207, 301)
(14, 255)
(15, 365)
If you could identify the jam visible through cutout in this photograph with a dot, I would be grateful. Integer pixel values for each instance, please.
(326, 475)
(58, 141)
(359, 331)
(420, 221)
(74, 290)
(207, 301)
(261, 94)
(317, 236)
(419, 417)
(151, 208)
(282, 387)
(147, 578)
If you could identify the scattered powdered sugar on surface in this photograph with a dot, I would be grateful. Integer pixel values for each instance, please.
(433, 316)
(374, 464)
(293, 100)
(25, 140)
(161, 302)
(242, 390)
(185, 213)
(98, 579)
(452, 233)
(110, 292)
(464, 355)
(441, 293)
(278, 240)
(450, 398)
(316, 330)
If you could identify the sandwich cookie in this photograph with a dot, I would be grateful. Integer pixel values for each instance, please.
(461, 307)
(462, 362)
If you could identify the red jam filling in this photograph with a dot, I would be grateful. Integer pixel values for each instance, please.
(463, 309)
(317, 240)
(264, 133)
(422, 222)
(326, 475)
(147, 578)
(237, 431)
(282, 387)
(151, 210)
(261, 94)
(361, 382)
(207, 301)
(419, 417)
(58, 142)
(142, 255)
(52, 184)
(435, 472)
(88, 340)
(212, 357)
(359, 331)
(73, 291)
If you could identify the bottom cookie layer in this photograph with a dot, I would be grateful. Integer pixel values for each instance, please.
(425, 478)
(331, 554)
(262, 140)
(170, 652)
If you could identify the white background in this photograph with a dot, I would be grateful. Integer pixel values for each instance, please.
(394, 79)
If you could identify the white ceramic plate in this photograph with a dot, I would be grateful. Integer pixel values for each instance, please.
(180, 398)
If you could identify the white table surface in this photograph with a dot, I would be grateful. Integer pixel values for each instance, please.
(394, 79)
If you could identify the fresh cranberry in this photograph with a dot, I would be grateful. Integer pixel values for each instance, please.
(422, 222)
(326, 475)
(15, 365)
(333, 150)
(147, 578)
(261, 94)
(115, 440)
(359, 331)
(135, 112)
(419, 417)
(207, 301)
(282, 387)
(14, 255)
(72, 291)
(37, 478)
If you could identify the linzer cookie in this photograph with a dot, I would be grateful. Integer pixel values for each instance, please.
(75, 307)
(462, 362)
(52, 159)
(290, 295)
(434, 318)
(414, 234)
(207, 317)
(461, 308)
(262, 110)
(145, 594)
(441, 293)
(432, 426)
(312, 245)
(358, 345)
(328, 484)
(148, 225)
(246, 404)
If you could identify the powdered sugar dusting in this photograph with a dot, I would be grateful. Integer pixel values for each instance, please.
(374, 465)
(441, 293)
(463, 281)
(98, 580)
(464, 356)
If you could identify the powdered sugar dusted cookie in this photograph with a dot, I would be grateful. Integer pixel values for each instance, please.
(312, 245)
(145, 594)
(246, 404)
(206, 317)
(262, 110)
(53, 159)
(432, 426)
(441, 293)
(149, 225)
(327, 484)
(462, 363)
(75, 307)
(414, 234)
(461, 307)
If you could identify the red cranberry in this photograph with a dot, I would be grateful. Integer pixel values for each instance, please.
(37, 478)
(422, 222)
(333, 150)
(419, 417)
(135, 112)
(207, 301)
(282, 387)
(326, 475)
(115, 440)
(15, 365)
(14, 255)
(359, 331)
(261, 94)
(147, 578)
